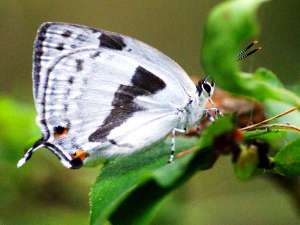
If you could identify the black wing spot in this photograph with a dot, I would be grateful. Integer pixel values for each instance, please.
(81, 37)
(79, 65)
(66, 33)
(112, 141)
(94, 55)
(143, 83)
(59, 129)
(124, 108)
(60, 47)
(71, 80)
(111, 41)
(66, 107)
(76, 163)
(146, 80)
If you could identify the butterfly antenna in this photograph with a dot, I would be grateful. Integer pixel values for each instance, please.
(244, 53)
(253, 51)
(248, 47)
(37, 145)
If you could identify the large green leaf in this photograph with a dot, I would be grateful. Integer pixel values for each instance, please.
(287, 160)
(129, 188)
(230, 25)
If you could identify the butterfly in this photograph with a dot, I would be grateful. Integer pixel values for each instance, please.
(100, 94)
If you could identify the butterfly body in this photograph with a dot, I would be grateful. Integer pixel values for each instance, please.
(101, 94)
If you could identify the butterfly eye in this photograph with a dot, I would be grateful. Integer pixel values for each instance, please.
(207, 87)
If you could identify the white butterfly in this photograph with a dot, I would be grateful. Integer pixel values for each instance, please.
(100, 94)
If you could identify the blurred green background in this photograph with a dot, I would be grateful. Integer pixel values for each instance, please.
(43, 192)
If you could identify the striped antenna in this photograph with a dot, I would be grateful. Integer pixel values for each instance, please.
(244, 53)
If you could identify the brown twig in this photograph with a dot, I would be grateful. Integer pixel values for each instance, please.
(186, 152)
(257, 125)
(279, 126)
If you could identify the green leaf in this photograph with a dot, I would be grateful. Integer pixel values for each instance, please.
(268, 77)
(264, 85)
(121, 176)
(287, 160)
(230, 25)
(129, 189)
(221, 126)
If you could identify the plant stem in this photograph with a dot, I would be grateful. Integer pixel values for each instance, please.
(279, 126)
(186, 152)
(257, 125)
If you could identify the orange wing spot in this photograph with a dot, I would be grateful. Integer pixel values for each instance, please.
(81, 154)
(60, 132)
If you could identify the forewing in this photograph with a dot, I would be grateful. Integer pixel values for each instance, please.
(56, 39)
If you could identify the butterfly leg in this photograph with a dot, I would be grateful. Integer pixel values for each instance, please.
(213, 113)
(172, 152)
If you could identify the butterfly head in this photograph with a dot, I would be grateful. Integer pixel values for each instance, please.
(205, 87)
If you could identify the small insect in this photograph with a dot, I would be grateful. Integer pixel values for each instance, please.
(101, 94)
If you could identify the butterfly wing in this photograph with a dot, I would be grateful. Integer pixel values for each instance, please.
(55, 39)
(102, 92)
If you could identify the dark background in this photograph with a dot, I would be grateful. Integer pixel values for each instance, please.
(45, 193)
